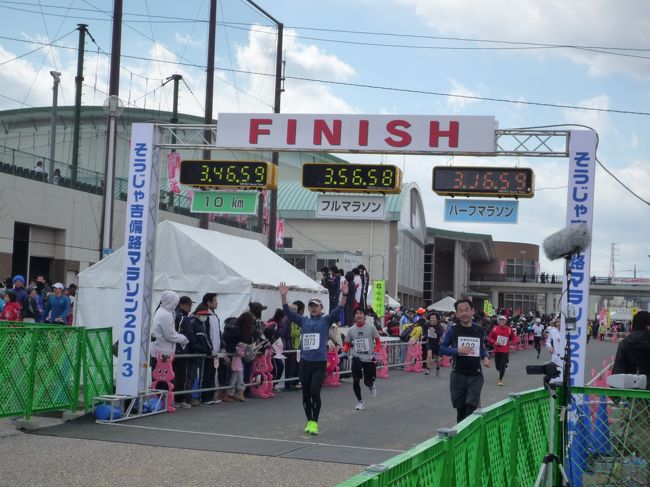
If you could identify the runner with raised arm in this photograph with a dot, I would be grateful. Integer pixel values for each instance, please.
(313, 350)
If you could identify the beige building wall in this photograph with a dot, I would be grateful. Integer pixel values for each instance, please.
(75, 217)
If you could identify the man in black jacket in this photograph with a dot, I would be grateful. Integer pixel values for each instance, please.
(633, 354)
(185, 369)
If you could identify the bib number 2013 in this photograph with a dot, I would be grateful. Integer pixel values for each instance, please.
(310, 341)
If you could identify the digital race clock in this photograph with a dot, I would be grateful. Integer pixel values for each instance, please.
(484, 181)
(229, 174)
(352, 178)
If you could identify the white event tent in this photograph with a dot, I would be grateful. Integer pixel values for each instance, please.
(192, 262)
(446, 305)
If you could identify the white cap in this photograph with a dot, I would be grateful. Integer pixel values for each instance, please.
(58, 285)
(501, 317)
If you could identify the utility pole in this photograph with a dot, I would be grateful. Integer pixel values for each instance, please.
(273, 198)
(175, 78)
(55, 101)
(209, 89)
(78, 81)
(112, 105)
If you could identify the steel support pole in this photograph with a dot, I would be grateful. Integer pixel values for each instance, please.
(113, 110)
(209, 92)
(55, 100)
(78, 82)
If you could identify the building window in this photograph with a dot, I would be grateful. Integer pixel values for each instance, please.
(287, 242)
(520, 303)
(320, 263)
(515, 268)
(414, 211)
(297, 261)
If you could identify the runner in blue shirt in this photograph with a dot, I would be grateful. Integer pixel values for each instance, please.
(313, 350)
(57, 306)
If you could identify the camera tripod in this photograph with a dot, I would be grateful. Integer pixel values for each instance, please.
(545, 473)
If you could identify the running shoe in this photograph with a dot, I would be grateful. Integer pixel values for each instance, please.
(499, 383)
(360, 406)
(314, 428)
(373, 391)
(308, 426)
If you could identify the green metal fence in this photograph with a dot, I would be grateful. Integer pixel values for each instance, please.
(41, 365)
(505, 443)
(610, 443)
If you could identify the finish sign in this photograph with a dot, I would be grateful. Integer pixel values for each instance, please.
(243, 203)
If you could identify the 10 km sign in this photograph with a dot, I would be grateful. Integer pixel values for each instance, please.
(242, 202)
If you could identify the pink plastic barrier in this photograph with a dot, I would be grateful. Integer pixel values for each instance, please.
(262, 375)
(163, 372)
(414, 357)
(333, 376)
(382, 363)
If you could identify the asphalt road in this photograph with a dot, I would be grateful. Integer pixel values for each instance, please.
(260, 441)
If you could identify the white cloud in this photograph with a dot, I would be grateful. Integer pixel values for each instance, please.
(302, 60)
(634, 141)
(593, 23)
(459, 101)
(186, 40)
(599, 120)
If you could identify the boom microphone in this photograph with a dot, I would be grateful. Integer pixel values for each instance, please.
(568, 241)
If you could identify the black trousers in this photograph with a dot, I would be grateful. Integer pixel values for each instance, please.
(185, 370)
(312, 376)
(365, 370)
(290, 369)
(207, 380)
(500, 361)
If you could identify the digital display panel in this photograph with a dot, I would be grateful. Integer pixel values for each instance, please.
(228, 174)
(352, 178)
(484, 181)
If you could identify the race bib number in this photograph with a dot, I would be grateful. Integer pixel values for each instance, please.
(473, 343)
(310, 341)
(361, 345)
(432, 333)
(502, 341)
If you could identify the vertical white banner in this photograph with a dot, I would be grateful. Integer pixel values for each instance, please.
(139, 246)
(580, 209)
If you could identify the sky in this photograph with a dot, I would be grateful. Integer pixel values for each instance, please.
(527, 63)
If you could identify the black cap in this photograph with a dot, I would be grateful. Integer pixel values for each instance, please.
(256, 307)
(185, 300)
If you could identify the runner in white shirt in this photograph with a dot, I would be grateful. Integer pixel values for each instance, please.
(538, 330)
(553, 344)
(363, 339)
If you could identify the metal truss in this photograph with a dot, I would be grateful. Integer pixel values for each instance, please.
(532, 143)
(509, 142)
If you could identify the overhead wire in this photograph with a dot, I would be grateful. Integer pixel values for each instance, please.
(625, 186)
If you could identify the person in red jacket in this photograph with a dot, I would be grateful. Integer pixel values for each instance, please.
(11, 311)
(500, 337)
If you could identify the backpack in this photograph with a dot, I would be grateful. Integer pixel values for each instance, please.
(230, 335)
(405, 335)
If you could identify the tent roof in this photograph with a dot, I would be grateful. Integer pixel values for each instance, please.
(621, 316)
(445, 304)
(189, 257)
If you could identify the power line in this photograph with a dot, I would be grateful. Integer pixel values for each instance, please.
(42, 44)
(627, 188)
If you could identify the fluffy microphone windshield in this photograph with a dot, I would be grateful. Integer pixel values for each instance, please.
(570, 240)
